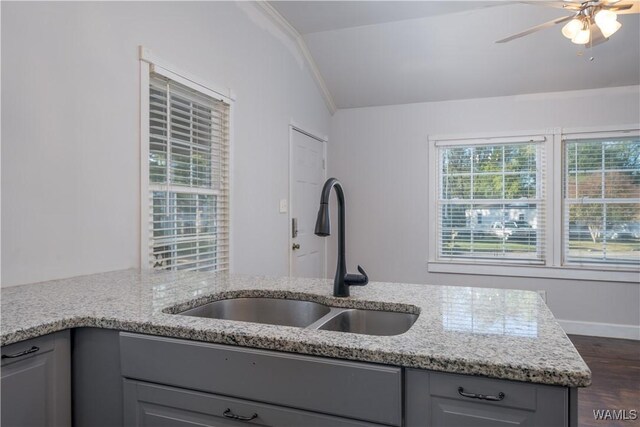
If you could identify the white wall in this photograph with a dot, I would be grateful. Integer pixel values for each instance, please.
(380, 154)
(70, 148)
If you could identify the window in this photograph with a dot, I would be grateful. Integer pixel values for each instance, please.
(491, 201)
(602, 201)
(568, 201)
(188, 186)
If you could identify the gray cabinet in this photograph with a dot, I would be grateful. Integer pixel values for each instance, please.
(97, 382)
(444, 400)
(157, 405)
(359, 391)
(141, 380)
(36, 378)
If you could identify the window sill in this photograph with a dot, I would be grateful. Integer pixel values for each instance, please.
(535, 271)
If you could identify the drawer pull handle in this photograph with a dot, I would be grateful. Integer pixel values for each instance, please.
(229, 414)
(497, 398)
(22, 353)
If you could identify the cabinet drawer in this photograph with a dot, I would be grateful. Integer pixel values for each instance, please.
(13, 353)
(157, 405)
(354, 390)
(516, 395)
(434, 399)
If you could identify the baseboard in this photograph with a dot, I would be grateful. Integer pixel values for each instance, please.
(595, 329)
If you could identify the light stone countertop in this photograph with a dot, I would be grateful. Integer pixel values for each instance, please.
(498, 333)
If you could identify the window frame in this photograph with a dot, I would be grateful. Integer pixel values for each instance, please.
(554, 265)
(540, 199)
(589, 134)
(149, 63)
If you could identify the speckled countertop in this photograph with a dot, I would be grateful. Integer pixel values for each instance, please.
(508, 334)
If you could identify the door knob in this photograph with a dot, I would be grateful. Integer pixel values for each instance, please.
(295, 246)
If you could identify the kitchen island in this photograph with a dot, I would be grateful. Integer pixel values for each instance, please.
(482, 333)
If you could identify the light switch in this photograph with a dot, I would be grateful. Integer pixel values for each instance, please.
(283, 206)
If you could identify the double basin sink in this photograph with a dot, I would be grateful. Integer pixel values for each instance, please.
(306, 314)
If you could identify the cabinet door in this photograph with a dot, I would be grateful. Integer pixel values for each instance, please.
(24, 391)
(452, 413)
(148, 405)
(36, 382)
(352, 390)
(444, 400)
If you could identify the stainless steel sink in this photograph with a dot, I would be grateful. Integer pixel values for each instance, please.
(370, 322)
(306, 314)
(273, 311)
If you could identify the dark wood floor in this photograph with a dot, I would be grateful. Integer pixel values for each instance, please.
(615, 368)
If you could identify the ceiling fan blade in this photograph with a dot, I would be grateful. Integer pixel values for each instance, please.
(536, 28)
(556, 4)
(624, 8)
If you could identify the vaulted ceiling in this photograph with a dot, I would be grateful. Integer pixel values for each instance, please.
(395, 52)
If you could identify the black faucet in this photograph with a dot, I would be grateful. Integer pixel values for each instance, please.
(323, 228)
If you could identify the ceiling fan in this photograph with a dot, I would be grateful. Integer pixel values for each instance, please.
(591, 22)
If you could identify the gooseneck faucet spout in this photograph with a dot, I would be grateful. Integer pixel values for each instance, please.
(323, 228)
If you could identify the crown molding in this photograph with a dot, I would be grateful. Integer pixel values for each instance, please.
(289, 30)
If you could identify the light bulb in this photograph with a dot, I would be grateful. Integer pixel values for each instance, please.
(609, 28)
(571, 28)
(582, 37)
(604, 17)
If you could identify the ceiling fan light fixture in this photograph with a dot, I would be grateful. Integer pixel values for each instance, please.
(570, 30)
(582, 37)
(605, 17)
(609, 28)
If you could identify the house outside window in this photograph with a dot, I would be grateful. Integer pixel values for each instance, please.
(602, 201)
(557, 203)
(491, 201)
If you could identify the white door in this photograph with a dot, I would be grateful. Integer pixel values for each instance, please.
(307, 177)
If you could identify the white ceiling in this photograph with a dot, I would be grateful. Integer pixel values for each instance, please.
(314, 16)
(378, 53)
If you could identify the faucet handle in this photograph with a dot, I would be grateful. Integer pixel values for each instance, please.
(366, 278)
(357, 279)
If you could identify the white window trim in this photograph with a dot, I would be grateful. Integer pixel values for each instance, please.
(553, 267)
(150, 62)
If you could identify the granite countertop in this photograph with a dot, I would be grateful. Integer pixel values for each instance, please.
(507, 334)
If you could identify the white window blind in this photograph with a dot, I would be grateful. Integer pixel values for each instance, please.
(188, 178)
(601, 210)
(491, 201)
